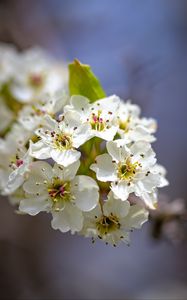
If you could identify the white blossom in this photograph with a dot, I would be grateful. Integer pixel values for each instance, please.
(41, 121)
(131, 126)
(115, 222)
(13, 164)
(130, 169)
(37, 74)
(59, 140)
(20, 168)
(58, 190)
(32, 116)
(99, 116)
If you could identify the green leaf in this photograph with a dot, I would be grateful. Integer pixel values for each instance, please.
(82, 81)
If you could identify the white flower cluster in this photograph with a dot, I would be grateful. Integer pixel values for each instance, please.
(79, 161)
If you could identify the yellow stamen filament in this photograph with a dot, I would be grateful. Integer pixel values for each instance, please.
(127, 169)
(107, 224)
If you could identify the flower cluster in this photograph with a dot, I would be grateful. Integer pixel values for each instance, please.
(80, 160)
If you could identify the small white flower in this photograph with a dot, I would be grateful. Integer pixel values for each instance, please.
(151, 199)
(115, 222)
(59, 191)
(99, 116)
(21, 167)
(59, 140)
(14, 164)
(37, 75)
(32, 116)
(129, 168)
(131, 126)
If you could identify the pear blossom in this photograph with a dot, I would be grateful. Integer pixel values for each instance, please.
(41, 120)
(58, 190)
(20, 168)
(151, 199)
(114, 222)
(37, 75)
(99, 116)
(13, 157)
(10, 158)
(14, 165)
(32, 116)
(129, 168)
(131, 126)
(59, 140)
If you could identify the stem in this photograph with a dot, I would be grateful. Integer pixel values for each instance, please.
(101, 205)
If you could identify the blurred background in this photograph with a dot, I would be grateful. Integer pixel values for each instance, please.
(138, 49)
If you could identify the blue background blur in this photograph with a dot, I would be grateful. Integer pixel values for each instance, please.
(138, 49)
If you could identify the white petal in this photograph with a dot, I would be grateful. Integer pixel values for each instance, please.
(136, 218)
(60, 221)
(150, 199)
(163, 182)
(16, 197)
(72, 119)
(24, 94)
(14, 183)
(117, 150)
(105, 169)
(4, 174)
(158, 169)
(110, 103)
(81, 135)
(39, 150)
(33, 206)
(41, 169)
(116, 206)
(79, 103)
(108, 134)
(121, 190)
(140, 147)
(50, 122)
(68, 219)
(66, 157)
(86, 192)
(150, 124)
(34, 185)
(141, 133)
(66, 173)
(148, 183)
(40, 172)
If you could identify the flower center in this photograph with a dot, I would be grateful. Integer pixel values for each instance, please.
(37, 111)
(127, 169)
(107, 224)
(125, 124)
(59, 192)
(62, 141)
(36, 80)
(16, 162)
(19, 162)
(96, 122)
